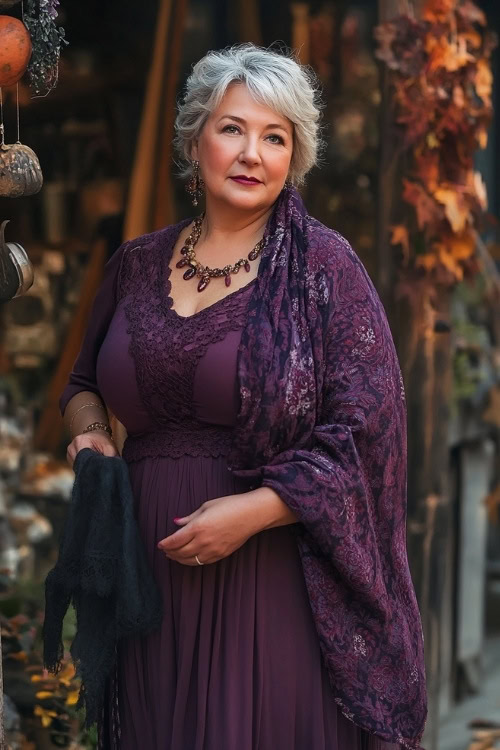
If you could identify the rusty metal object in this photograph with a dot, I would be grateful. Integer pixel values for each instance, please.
(20, 171)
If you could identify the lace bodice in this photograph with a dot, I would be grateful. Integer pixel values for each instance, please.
(167, 348)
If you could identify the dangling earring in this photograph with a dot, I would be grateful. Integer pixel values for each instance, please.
(195, 185)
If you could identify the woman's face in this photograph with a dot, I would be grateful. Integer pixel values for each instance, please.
(244, 139)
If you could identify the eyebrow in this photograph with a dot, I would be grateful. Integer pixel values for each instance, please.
(240, 119)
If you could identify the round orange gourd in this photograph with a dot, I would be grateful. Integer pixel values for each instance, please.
(15, 50)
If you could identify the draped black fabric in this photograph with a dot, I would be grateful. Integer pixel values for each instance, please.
(102, 570)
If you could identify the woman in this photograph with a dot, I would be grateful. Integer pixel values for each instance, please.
(266, 447)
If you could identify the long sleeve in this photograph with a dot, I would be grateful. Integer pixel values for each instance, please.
(83, 374)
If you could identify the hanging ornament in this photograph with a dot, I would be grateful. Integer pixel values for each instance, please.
(43, 70)
(20, 172)
(16, 269)
(15, 50)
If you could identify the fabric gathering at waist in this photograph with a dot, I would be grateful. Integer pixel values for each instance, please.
(179, 440)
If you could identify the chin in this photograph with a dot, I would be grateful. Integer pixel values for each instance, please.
(250, 200)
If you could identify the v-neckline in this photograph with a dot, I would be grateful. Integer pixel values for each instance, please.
(167, 284)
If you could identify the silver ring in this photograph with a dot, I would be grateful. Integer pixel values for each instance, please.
(198, 560)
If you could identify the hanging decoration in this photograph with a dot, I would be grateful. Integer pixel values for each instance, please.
(16, 270)
(20, 172)
(47, 38)
(15, 50)
(442, 83)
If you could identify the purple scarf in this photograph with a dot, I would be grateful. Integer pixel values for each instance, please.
(323, 422)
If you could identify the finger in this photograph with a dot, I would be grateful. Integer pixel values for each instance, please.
(176, 540)
(186, 519)
(186, 552)
(110, 450)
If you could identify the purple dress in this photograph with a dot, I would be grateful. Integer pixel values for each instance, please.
(236, 664)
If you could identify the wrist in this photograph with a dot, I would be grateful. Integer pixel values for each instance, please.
(268, 510)
(98, 427)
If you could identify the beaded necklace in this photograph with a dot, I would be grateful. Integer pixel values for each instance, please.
(204, 272)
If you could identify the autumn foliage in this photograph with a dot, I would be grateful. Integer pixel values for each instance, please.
(441, 83)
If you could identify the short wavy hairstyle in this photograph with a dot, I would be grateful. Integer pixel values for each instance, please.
(275, 79)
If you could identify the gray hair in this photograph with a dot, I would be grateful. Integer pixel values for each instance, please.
(276, 80)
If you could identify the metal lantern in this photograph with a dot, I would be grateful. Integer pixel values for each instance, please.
(16, 270)
(20, 172)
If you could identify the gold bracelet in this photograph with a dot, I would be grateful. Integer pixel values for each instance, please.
(99, 406)
(98, 426)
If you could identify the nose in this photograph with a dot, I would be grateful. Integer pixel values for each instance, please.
(250, 152)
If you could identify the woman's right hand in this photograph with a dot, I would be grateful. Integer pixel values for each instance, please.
(97, 440)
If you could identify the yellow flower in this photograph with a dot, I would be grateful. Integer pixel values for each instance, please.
(72, 698)
(45, 716)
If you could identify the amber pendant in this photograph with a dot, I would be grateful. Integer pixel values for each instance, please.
(189, 273)
(203, 283)
(247, 266)
(253, 253)
(227, 280)
(181, 263)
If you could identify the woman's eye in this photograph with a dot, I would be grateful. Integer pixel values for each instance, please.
(279, 139)
(230, 127)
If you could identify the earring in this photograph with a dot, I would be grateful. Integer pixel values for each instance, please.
(195, 185)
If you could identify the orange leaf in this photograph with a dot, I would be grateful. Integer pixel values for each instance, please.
(449, 262)
(448, 55)
(455, 208)
(478, 190)
(72, 698)
(45, 716)
(44, 694)
(67, 674)
(400, 237)
(484, 81)
(427, 261)
(462, 247)
(427, 169)
(428, 211)
(435, 10)
(482, 137)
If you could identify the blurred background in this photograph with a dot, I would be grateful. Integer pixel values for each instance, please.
(410, 176)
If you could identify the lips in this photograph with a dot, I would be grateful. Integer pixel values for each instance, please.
(247, 180)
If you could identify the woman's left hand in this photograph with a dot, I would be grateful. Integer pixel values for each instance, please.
(215, 530)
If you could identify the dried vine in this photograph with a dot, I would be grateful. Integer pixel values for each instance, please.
(441, 82)
(39, 17)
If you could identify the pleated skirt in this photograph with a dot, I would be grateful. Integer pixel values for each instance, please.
(236, 664)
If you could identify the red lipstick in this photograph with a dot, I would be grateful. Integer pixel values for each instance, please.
(243, 180)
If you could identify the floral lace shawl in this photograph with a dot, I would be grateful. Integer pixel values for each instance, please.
(323, 422)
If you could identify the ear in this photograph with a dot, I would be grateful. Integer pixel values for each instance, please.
(194, 151)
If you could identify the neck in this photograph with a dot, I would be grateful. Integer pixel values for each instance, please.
(223, 222)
